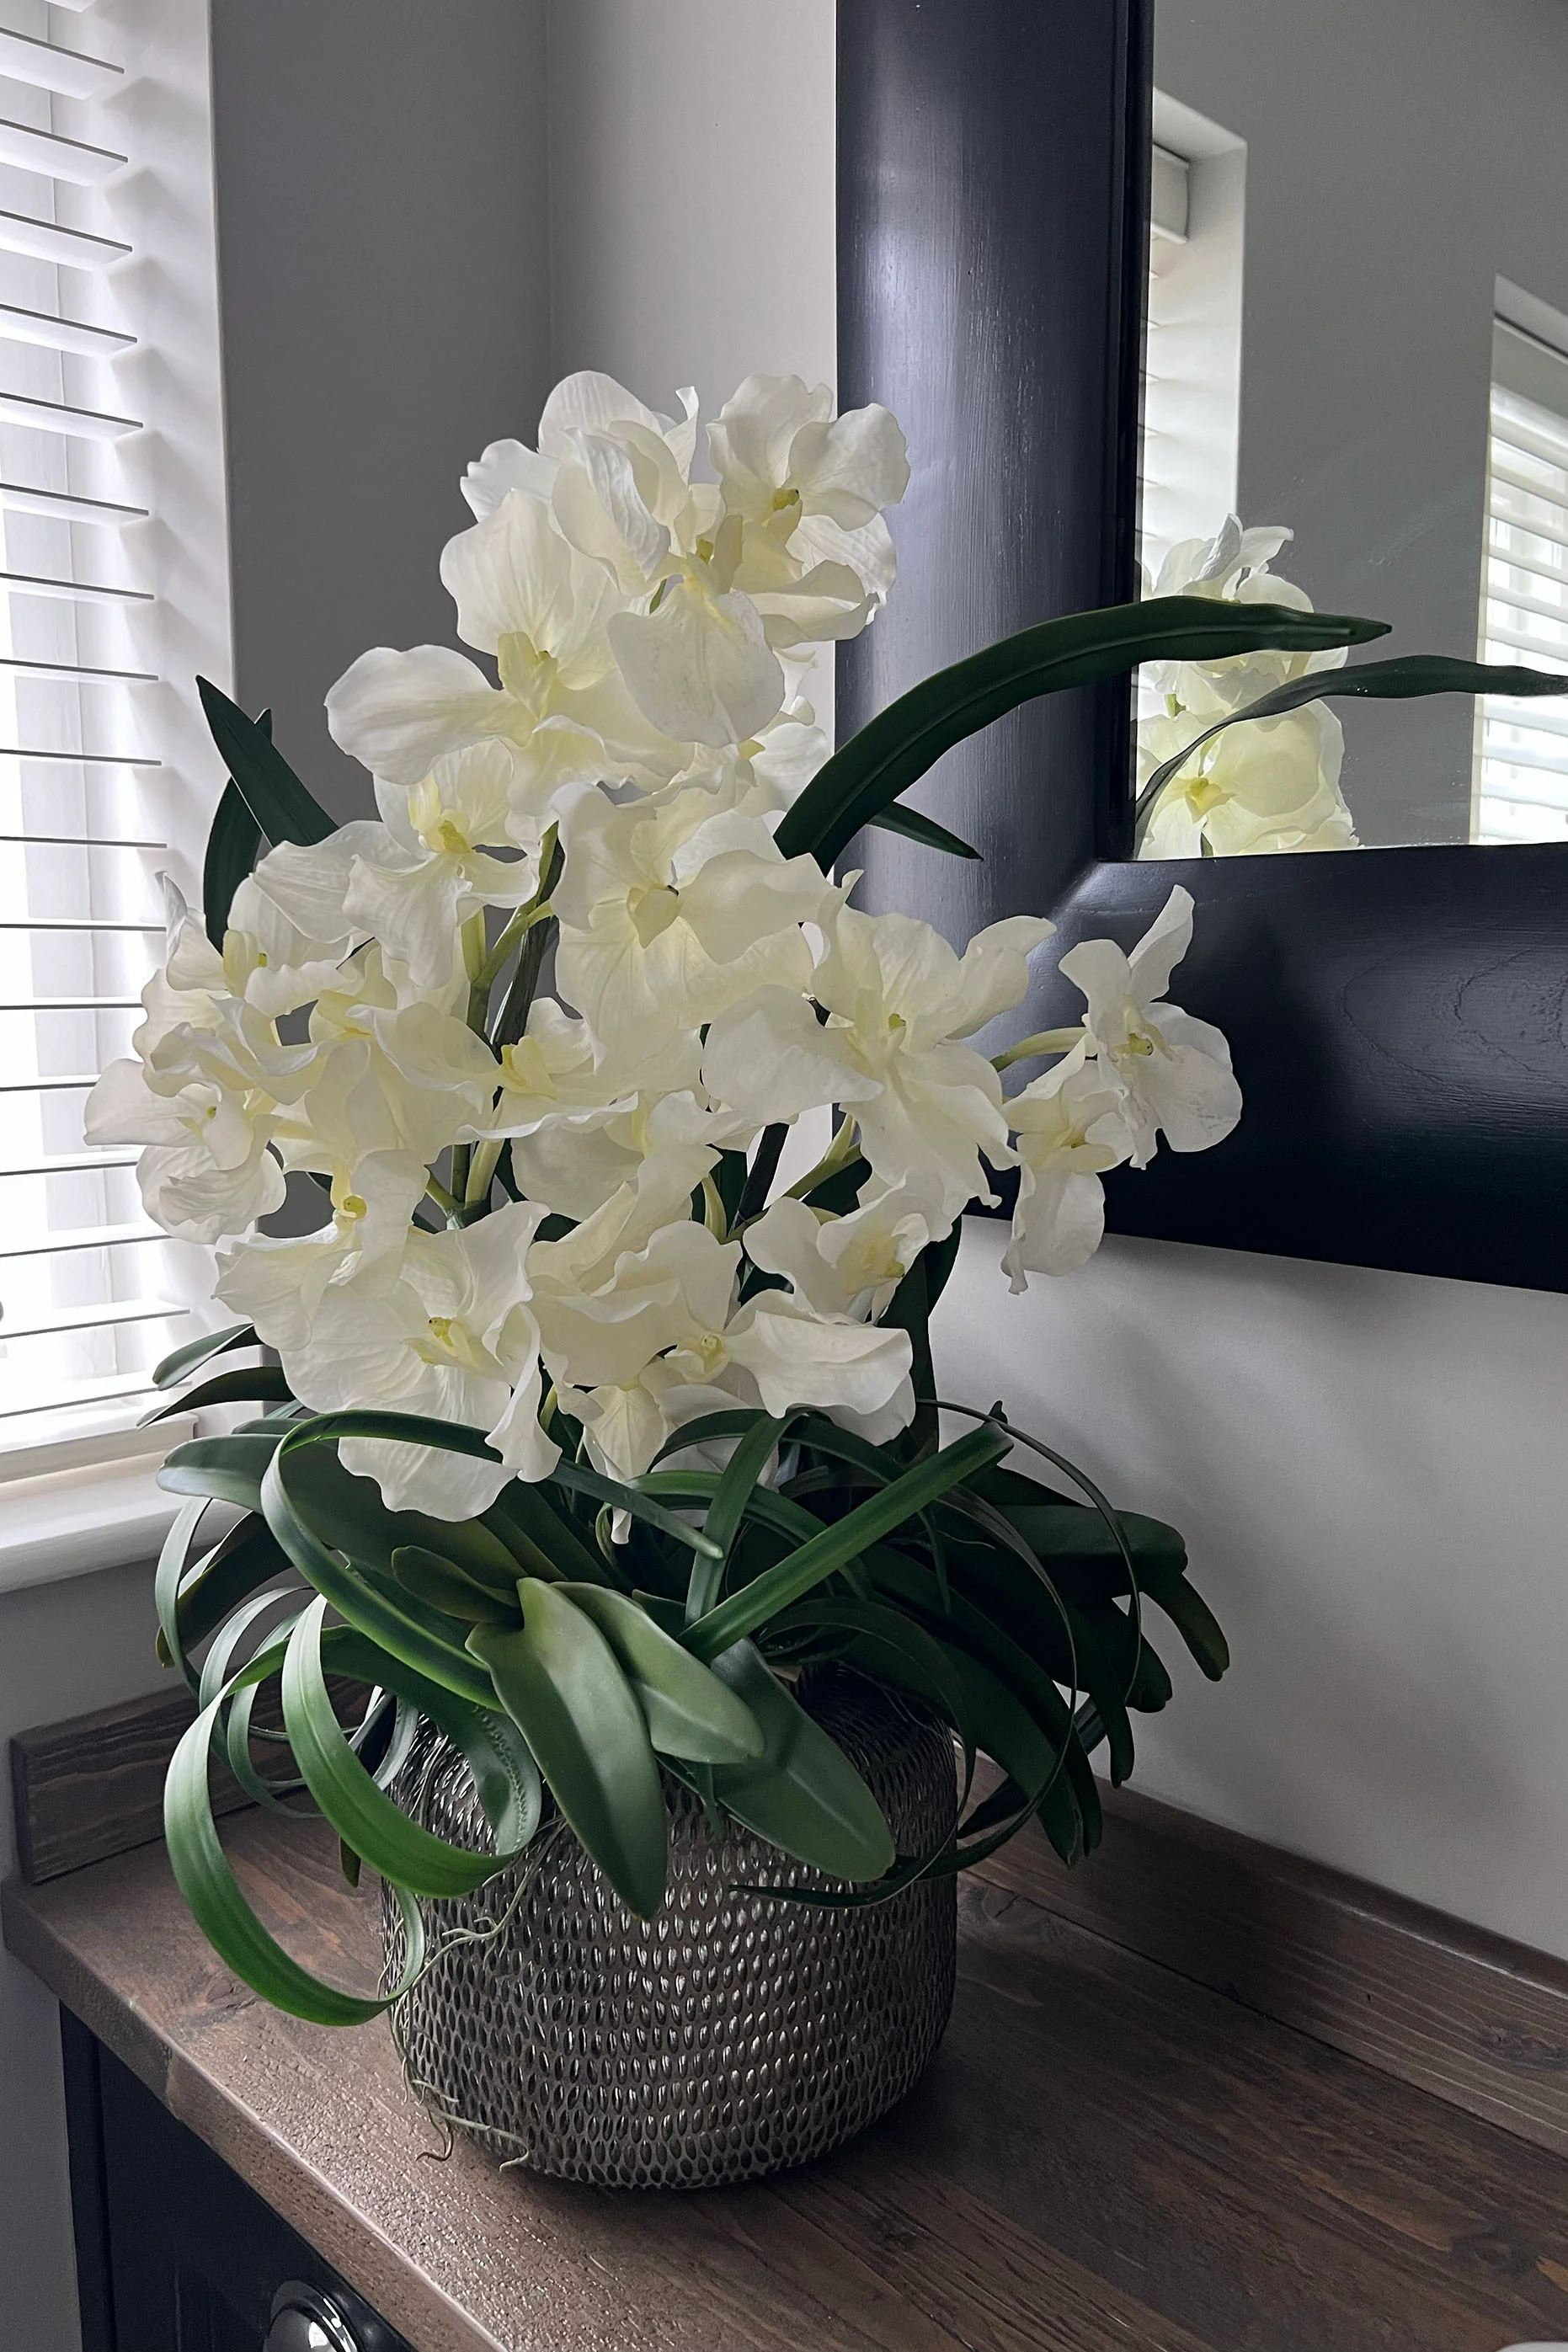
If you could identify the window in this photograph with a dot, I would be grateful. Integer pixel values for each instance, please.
(1191, 386)
(113, 595)
(1521, 766)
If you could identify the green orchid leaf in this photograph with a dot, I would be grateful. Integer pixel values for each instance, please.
(171, 1557)
(802, 1795)
(882, 1630)
(279, 803)
(1407, 677)
(173, 1369)
(543, 1541)
(191, 1607)
(396, 1623)
(560, 1681)
(870, 772)
(366, 1819)
(833, 1547)
(737, 1481)
(346, 1511)
(225, 1469)
(441, 1584)
(213, 1894)
(233, 845)
(258, 1383)
(636, 1500)
(688, 1711)
(914, 827)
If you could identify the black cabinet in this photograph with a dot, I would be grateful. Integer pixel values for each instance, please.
(174, 2253)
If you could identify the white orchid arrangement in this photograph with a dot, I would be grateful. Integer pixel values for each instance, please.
(583, 1430)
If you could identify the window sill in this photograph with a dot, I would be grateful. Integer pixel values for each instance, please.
(69, 1522)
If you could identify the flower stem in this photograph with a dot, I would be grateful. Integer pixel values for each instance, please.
(482, 1173)
(487, 970)
(713, 1215)
(838, 1154)
(1043, 1041)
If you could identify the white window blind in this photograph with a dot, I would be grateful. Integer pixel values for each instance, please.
(1521, 769)
(89, 1294)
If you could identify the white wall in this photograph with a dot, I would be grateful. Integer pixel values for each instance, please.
(1369, 1466)
(1369, 1473)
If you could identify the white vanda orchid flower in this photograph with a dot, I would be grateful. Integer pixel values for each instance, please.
(810, 488)
(898, 1002)
(209, 1094)
(766, 774)
(697, 659)
(669, 912)
(561, 710)
(387, 1077)
(453, 1337)
(626, 1333)
(1173, 1071)
(277, 1285)
(429, 867)
(287, 933)
(581, 1124)
(851, 1265)
(692, 653)
(1069, 1127)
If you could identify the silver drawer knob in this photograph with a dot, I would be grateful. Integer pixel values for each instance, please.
(305, 2320)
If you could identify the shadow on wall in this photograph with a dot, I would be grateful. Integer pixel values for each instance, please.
(1358, 1463)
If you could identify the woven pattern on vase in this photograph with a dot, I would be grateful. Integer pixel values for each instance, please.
(731, 2036)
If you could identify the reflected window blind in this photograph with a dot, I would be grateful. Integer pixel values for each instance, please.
(1521, 768)
(1160, 457)
(84, 1278)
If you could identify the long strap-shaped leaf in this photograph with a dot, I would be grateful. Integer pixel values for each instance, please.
(378, 1830)
(391, 1624)
(1406, 678)
(270, 790)
(560, 1682)
(791, 1579)
(737, 1481)
(213, 1893)
(896, 747)
(233, 846)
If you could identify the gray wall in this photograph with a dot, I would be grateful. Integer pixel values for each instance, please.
(1401, 155)
(384, 245)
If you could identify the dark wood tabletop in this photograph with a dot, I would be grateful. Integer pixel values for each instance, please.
(1105, 2157)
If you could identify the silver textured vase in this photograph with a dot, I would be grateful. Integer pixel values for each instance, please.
(734, 2034)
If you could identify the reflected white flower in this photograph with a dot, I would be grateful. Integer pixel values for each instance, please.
(1265, 786)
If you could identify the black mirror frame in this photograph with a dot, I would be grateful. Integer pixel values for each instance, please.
(1397, 1017)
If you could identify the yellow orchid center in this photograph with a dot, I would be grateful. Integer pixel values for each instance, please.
(782, 500)
(440, 828)
(1207, 794)
(652, 911)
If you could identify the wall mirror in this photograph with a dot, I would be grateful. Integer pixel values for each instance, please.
(1357, 332)
(1399, 1020)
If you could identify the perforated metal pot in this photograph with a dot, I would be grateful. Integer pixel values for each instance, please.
(733, 2036)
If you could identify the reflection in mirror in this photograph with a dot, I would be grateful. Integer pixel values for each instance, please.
(1356, 397)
